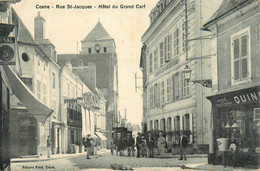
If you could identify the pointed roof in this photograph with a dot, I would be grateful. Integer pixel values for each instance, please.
(23, 34)
(226, 7)
(97, 33)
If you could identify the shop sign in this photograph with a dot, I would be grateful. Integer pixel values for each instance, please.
(7, 51)
(74, 123)
(244, 96)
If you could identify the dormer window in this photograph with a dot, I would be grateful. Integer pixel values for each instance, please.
(105, 49)
(89, 50)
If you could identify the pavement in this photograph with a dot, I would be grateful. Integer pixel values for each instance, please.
(103, 161)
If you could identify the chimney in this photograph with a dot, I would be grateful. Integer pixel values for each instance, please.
(39, 27)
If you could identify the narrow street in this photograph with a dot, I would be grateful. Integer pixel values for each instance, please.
(103, 161)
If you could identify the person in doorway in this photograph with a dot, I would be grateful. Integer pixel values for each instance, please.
(161, 145)
(49, 146)
(150, 144)
(88, 146)
(138, 143)
(183, 144)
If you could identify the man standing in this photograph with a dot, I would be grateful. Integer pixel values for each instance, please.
(88, 146)
(49, 146)
(183, 144)
(138, 143)
(150, 143)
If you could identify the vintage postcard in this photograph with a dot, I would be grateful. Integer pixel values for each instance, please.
(129, 85)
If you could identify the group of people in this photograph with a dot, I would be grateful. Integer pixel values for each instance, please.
(145, 146)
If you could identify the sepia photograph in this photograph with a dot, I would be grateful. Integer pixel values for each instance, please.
(144, 85)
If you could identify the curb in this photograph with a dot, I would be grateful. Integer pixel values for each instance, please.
(17, 160)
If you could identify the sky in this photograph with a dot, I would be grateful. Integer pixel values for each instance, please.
(67, 27)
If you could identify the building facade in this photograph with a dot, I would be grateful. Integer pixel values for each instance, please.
(236, 100)
(99, 48)
(29, 82)
(171, 103)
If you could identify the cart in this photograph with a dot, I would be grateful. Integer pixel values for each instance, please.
(122, 140)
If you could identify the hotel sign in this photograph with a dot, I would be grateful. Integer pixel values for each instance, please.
(7, 51)
(240, 97)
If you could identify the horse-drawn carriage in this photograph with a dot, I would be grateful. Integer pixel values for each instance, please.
(123, 140)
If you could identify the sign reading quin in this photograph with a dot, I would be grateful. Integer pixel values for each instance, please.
(7, 52)
(249, 95)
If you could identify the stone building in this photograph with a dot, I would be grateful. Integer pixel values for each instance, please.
(236, 84)
(99, 48)
(171, 103)
(32, 81)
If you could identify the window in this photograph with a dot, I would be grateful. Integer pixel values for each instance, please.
(168, 47)
(161, 54)
(183, 37)
(162, 125)
(53, 80)
(25, 57)
(38, 89)
(176, 86)
(44, 93)
(169, 90)
(89, 50)
(162, 92)
(39, 62)
(151, 125)
(105, 49)
(156, 95)
(81, 63)
(186, 88)
(177, 123)
(151, 97)
(155, 59)
(240, 60)
(186, 122)
(156, 125)
(176, 42)
(151, 62)
(169, 124)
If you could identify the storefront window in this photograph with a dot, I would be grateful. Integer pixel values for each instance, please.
(240, 127)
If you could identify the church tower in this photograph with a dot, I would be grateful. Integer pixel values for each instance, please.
(98, 41)
(99, 48)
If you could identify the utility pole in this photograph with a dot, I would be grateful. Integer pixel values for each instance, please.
(186, 29)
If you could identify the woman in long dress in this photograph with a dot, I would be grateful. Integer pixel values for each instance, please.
(161, 145)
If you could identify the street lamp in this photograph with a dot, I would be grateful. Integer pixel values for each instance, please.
(187, 73)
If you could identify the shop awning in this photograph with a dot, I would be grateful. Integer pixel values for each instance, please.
(100, 135)
(40, 111)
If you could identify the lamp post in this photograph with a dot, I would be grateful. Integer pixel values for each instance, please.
(187, 73)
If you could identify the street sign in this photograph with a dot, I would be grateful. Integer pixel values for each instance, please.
(7, 51)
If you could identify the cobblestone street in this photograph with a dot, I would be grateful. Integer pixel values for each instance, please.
(102, 161)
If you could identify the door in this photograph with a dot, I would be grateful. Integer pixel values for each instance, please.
(32, 141)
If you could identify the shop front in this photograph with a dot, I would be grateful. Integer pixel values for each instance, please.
(236, 127)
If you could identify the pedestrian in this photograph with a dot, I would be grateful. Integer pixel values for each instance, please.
(144, 149)
(150, 144)
(183, 142)
(161, 145)
(130, 144)
(138, 143)
(133, 145)
(112, 147)
(88, 146)
(49, 146)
